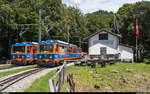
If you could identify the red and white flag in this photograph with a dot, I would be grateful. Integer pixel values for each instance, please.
(137, 30)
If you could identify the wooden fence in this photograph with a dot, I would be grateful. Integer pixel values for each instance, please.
(56, 86)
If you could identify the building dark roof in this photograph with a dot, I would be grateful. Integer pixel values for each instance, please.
(105, 30)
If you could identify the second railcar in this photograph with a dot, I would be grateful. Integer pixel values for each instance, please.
(52, 53)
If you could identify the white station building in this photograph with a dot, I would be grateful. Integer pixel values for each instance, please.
(107, 42)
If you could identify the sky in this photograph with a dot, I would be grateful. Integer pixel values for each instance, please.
(88, 6)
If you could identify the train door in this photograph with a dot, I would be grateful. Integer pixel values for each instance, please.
(56, 51)
(34, 53)
(30, 53)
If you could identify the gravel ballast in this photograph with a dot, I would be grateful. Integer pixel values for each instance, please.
(21, 85)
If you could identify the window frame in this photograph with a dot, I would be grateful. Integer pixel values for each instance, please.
(103, 36)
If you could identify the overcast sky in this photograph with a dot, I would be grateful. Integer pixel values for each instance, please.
(88, 6)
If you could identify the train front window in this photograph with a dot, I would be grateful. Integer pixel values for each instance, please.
(45, 48)
(18, 49)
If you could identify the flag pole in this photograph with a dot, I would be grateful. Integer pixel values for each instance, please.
(137, 33)
(136, 49)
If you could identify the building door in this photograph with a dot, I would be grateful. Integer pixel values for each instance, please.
(103, 50)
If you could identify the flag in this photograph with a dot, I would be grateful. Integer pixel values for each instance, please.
(137, 30)
(116, 25)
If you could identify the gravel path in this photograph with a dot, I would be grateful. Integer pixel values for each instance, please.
(14, 68)
(21, 85)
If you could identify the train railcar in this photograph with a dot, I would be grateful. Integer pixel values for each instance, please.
(52, 53)
(24, 53)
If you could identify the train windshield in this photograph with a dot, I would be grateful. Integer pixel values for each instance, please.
(18, 49)
(45, 48)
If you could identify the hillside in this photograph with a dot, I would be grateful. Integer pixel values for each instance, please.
(121, 77)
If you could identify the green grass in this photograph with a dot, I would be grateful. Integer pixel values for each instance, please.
(2, 74)
(6, 65)
(136, 81)
(41, 84)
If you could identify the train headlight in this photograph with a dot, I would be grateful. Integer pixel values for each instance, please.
(28, 56)
(50, 56)
(40, 56)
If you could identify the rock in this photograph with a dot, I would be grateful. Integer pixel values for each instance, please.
(146, 79)
(95, 76)
(96, 86)
(98, 79)
(96, 71)
(124, 79)
(108, 88)
(129, 70)
(114, 71)
(143, 74)
(91, 72)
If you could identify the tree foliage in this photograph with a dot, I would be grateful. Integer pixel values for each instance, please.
(70, 18)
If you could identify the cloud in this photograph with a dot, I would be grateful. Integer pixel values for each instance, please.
(88, 6)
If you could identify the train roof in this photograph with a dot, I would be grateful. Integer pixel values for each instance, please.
(58, 41)
(26, 43)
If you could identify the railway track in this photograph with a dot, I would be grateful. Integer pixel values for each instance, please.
(13, 79)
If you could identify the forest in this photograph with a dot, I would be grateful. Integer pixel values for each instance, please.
(14, 13)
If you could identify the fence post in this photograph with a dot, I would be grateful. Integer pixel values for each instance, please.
(64, 71)
(52, 82)
(60, 80)
(51, 86)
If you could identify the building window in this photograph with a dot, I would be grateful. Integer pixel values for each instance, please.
(103, 50)
(103, 36)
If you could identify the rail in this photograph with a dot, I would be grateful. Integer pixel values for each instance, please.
(56, 86)
(5, 83)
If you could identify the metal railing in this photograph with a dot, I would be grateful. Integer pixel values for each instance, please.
(56, 86)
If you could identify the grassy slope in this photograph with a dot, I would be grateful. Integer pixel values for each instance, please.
(135, 81)
(2, 74)
(6, 65)
(123, 81)
(41, 84)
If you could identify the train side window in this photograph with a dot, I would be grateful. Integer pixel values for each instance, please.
(61, 48)
(18, 49)
(29, 49)
(51, 47)
(77, 50)
(66, 49)
(56, 48)
(34, 49)
(70, 49)
(41, 48)
(74, 50)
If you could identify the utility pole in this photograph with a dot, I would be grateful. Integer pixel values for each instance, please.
(40, 25)
(80, 42)
(68, 33)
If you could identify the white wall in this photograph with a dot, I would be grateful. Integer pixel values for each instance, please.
(111, 44)
(126, 53)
